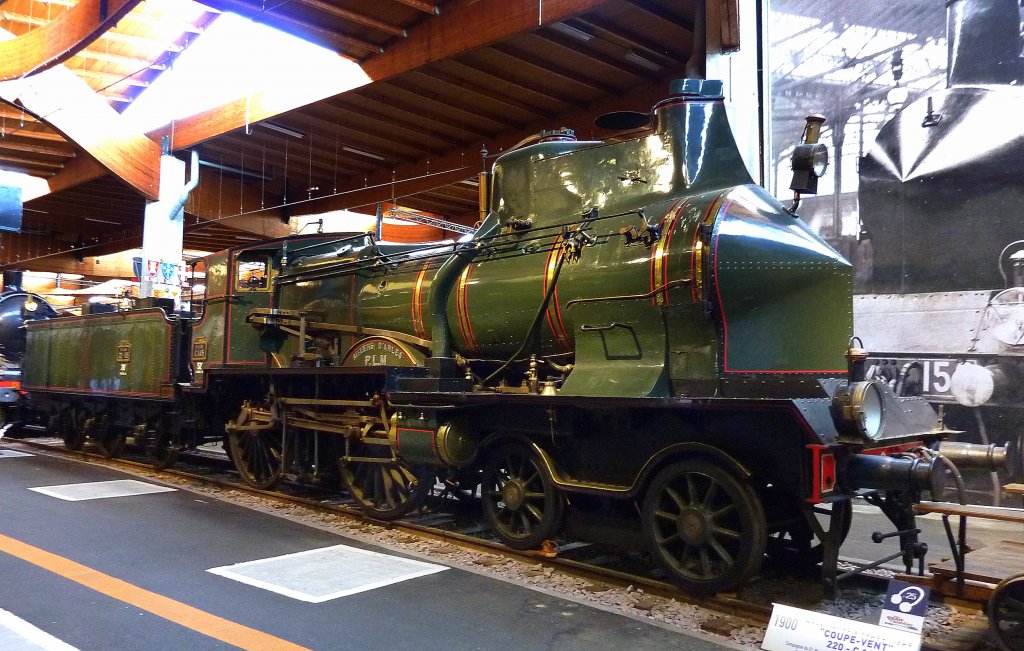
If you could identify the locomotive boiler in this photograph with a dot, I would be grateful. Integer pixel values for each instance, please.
(636, 334)
(940, 192)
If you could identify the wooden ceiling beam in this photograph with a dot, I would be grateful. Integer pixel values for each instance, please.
(463, 29)
(111, 79)
(425, 7)
(31, 148)
(36, 131)
(554, 70)
(138, 65)
(83, 117)
(375, 101)
(520, 89)
(618, 65)
(662, 14)
(465, 87)
(459, 165)
(332, 115)
(275, 18)
(639, 44)
(355, 17)
(61, 38)
(109, 35)
(33, 162)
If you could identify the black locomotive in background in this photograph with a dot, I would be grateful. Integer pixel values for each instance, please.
(940, 298)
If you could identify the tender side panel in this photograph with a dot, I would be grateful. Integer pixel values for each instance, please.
(121, 354)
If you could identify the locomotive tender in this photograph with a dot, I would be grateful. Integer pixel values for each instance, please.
(635, 329)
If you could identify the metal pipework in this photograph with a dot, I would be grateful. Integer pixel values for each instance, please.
(189, 187)
(893, 473)
(976, 455)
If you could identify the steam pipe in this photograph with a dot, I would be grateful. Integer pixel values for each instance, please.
(193, 181)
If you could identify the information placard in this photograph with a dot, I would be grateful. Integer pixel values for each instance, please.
(794, 629)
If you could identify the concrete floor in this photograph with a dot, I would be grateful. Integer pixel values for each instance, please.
(131, 572)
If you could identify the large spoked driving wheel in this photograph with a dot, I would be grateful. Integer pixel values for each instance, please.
(1006, 613)
(706, 527)
(521, 502)
(256, 445)
(383, 488)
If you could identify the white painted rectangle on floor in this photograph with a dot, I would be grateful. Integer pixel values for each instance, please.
(11, 454)
(16, 633)
(323, 574)
(95, 490)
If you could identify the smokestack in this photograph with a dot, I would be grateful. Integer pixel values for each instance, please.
(984, 42)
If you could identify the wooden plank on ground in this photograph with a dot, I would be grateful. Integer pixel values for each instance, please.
(990, 564)
(972, 510)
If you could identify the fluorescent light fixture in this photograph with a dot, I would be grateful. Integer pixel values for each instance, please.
(353, 150)
(102, 221)
(472, 182)
(280, 129)
(574, 32)
(643, 62)
(246, 238)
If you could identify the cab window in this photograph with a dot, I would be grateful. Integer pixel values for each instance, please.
(252, 273)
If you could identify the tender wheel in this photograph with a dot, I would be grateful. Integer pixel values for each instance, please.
(160, 449)
(256, 447)
(706, 527)
(69, 426)
(109, 440)
(1006, 613)
(384, 489)
(521, 502)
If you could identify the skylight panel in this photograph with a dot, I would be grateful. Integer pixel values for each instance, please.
(233, 59)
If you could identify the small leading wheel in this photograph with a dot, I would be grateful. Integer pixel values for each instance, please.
(521, 502)
(257, 446)
(1006, 613)
(384, 489)
(706, 527)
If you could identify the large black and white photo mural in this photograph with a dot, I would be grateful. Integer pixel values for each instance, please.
(924, 194)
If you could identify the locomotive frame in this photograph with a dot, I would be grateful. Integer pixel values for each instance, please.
(635, 330)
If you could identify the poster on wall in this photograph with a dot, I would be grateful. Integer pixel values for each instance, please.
(925, 191)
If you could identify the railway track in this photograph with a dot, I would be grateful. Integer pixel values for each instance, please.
(446, 521)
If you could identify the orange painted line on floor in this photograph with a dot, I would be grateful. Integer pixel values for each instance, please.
(161, 606)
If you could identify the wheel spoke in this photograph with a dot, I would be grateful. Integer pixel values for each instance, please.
(709, 496)
(705, 562)
(728, 533)
(722, 552)
(680, 503)
(537, 514)
(691, 489)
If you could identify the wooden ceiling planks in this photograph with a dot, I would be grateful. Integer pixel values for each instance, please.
(440, 108)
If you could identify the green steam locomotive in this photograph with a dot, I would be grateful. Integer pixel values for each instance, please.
(637, 342)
